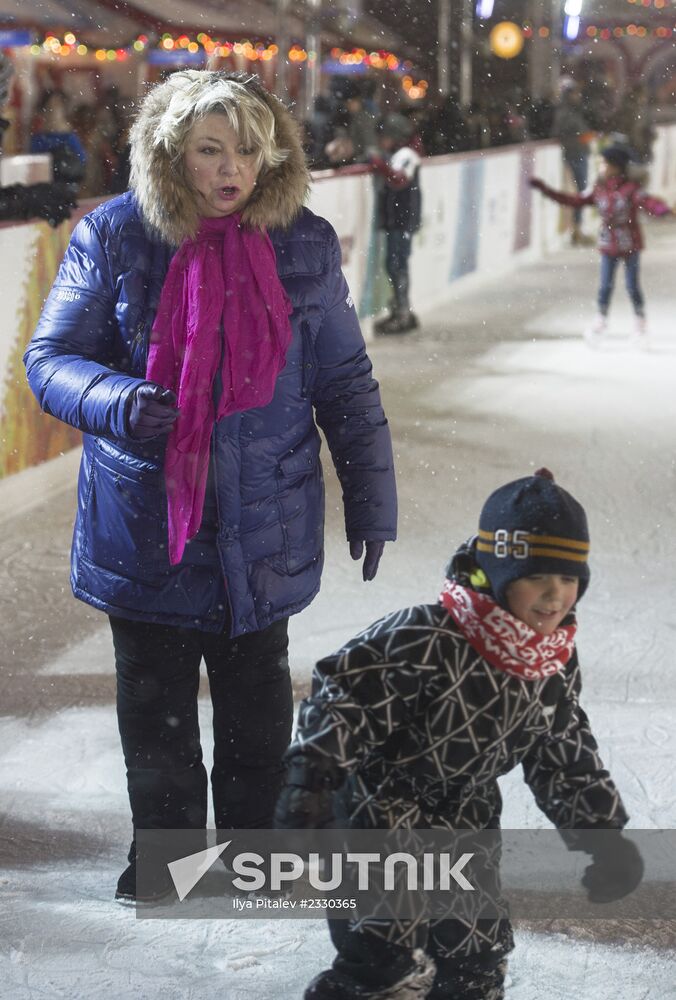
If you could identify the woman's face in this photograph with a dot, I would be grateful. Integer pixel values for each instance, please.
(220, 168)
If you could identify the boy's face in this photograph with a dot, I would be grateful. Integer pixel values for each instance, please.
(543, 601)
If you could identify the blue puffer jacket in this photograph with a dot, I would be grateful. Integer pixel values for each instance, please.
(259, 553)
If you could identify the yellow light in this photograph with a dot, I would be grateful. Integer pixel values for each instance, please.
(168, 43)
(82, 50)
(69, 38)
(506, 40)
(138, 46)
(36, 50)
(101, 54)
(274, 49)
(63, 50)
(193, 47)
(238, 48)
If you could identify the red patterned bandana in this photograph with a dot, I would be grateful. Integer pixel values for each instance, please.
(505, 641)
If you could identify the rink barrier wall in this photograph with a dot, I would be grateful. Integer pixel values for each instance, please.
(480, 219)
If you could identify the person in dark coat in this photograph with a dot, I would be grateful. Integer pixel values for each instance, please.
(572, 129)
(399, 213)
(412, 722)
(198, 327)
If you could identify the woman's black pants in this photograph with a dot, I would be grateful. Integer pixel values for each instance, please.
(158, 669)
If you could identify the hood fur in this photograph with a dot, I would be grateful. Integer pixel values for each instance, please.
(168, 204)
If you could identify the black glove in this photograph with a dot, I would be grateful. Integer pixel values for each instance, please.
(616, 868)
(306, 800)
(374, 551)
(152, 411)
(536, 183)
(52, 202)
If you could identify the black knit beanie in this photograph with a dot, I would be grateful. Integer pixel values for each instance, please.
(618, 155)
(532, 526)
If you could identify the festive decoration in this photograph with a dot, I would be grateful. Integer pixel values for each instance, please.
(628, 30)
(382, 59)
(179, 47)
(414, 91)
(182, 47)
(70, 46)
(506, 40)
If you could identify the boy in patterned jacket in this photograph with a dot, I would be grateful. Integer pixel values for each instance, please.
(619, 199)
(413, 721)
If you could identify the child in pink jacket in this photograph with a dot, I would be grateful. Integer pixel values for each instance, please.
(618, 200)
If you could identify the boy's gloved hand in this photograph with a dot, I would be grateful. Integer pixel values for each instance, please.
(536, 183)
(616, 870)
(306, 800)
(374, 551)
(152, 411)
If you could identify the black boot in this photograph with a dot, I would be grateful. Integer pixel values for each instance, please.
(160, 887)
(414, 984)
(398, 322)
(401, 319)
(479, 977)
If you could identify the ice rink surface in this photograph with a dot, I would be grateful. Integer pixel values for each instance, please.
(494, 385)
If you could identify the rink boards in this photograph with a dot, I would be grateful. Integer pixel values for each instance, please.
(480, 219)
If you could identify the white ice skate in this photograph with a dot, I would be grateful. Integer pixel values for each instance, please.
(640, 337)
(595, 333)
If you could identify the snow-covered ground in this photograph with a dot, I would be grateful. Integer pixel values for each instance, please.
(493, 386)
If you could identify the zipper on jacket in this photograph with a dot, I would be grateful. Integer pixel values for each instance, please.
(309, 361)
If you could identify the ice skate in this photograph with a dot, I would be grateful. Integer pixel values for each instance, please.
(595, 333)
(380, 323)
(414, 985)
(398, 322)
(640, 337)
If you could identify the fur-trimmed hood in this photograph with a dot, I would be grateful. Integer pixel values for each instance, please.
(168, 204)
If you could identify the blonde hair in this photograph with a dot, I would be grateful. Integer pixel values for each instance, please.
(166, 196)
(194, 94)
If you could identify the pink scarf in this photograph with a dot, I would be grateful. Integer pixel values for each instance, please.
(505, 641)
(222, 305)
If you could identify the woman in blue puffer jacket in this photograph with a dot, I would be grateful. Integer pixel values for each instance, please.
(198, 326)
